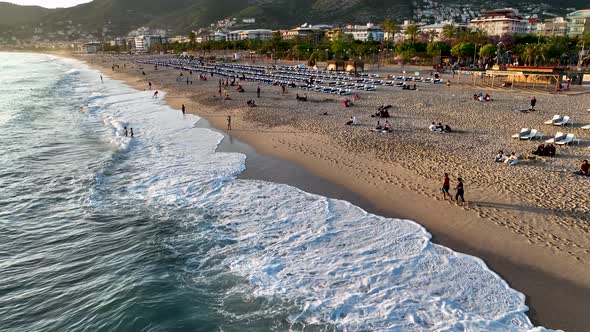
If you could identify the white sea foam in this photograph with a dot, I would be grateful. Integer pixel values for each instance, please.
(337, 263)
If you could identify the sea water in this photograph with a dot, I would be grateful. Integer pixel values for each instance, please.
(102, 232)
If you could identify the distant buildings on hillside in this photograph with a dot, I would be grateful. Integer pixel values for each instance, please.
(495, 22)
(508, 21)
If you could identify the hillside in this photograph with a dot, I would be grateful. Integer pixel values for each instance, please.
(110, 18)
(12, 15)
(121, 16)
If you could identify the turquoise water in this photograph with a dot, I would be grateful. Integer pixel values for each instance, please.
(102, 232)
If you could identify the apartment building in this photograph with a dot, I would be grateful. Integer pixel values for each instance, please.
(499, 22)
(578, 22)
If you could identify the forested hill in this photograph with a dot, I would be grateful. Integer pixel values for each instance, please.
(14, 15)
(183, 15)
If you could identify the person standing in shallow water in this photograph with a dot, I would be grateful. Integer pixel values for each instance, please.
(125, 131)
(131, 132)
(229, 122)
(183, 110)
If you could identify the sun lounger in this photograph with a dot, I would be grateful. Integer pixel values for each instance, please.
(522, 132)
(565, 121)
(531, 135)
(559, 136)
(567, 140)
(556, 118)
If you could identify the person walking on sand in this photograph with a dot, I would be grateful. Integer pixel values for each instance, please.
(150, 85)
(533, 103)
(220, 91)
(258, 92)
(183, 110)
(229, 122)
(446, 186)
(460, 191)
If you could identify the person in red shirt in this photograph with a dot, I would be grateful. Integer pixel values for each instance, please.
(446, 186)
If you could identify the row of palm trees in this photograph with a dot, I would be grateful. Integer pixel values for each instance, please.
(449, 32)
(530, 50)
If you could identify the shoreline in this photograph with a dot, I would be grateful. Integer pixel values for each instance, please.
(556, 298)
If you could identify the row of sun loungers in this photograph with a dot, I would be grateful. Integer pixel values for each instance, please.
(291, 76)
(531, 134)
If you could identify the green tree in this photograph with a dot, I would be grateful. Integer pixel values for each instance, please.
(553, 51)
(473, 36)
(438, 48)
(338, 48)
(584, 41)
(487, 51)
(411, 47)
(463, 50)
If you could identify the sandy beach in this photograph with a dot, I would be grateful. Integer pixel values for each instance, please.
(529, 223)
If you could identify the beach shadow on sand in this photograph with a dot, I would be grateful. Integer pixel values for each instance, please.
(532, 209)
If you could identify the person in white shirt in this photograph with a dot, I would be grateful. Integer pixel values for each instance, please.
(512, 160)
(432, 127)
(352, 121)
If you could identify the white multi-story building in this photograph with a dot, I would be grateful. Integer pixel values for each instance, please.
(304, 31)
(554, 27)
(256, 34)
(578, 22)
(144, 42)
(217, 36)
(365, 32)
(500, 22)
(118, 42)
(233, 35)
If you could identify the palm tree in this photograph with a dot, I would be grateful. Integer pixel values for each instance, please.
(449, 32)
(531, 53)
(432, 35)
(391, 27)
(412, 31)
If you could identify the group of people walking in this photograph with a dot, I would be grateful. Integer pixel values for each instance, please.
(128, 133)
(459, 187)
